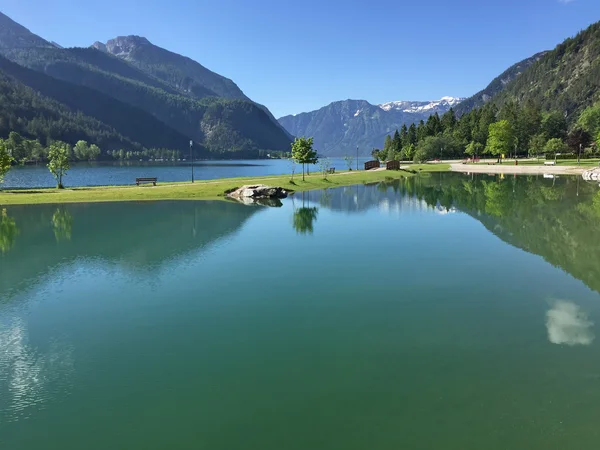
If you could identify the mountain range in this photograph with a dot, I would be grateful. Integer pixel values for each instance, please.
(130, 78)
(340, 127)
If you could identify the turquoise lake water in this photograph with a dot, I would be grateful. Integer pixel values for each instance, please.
(440, 312)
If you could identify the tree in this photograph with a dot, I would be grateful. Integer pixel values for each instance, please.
(554, 125)
(396, 146)
(409, 152)
(500, 139)
(58, 164)
(474, 149)
(5, 160)
(93, 152)
(324, 164)
(15, 146)
(537, 144)
(555, 145)
(412, 134)
(449, 120)
(303, 153)
(349, 161)
(388, 145)
(578, 139)
(590, 119)
(404, 135)
(81, 150)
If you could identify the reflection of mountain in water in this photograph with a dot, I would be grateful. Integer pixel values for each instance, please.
(132, 234)
(557, 219)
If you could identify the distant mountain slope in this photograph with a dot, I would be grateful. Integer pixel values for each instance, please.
(227, 127)
(68, 112)
(497, 85)
(342, 126)
(178, 71)
(14, 35)
(565, 79)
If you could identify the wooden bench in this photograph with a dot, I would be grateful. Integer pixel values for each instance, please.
(139, 181)
(549, 163)
(332, 170)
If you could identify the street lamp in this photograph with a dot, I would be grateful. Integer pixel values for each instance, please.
(192, 158)
(579, 155)
(357, 158)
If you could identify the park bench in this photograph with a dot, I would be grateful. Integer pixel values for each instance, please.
(139, 181)
(332, 170)
(549, 163)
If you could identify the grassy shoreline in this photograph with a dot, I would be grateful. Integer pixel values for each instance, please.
(201, 190)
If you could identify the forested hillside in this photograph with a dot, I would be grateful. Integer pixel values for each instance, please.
(145, 103)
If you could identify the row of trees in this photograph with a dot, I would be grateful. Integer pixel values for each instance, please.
(58, 155)
(513, 129)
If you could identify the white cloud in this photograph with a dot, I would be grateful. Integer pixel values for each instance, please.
(568, 325)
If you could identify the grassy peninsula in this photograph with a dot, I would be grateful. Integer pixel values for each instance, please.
(203, 190)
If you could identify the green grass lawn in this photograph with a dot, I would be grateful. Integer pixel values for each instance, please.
(202, 190)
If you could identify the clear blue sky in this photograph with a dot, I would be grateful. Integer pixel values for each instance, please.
(296, 56)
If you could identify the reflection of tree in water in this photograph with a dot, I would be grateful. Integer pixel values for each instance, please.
(304, 219)
(62, 224)
(8, 231)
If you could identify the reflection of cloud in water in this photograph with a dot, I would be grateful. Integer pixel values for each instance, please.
(28, 376)
(568, 325)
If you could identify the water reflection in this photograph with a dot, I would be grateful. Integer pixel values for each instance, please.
(8, 231)
(567, 324)
(29, 376)
(304, 219)
(62, 224)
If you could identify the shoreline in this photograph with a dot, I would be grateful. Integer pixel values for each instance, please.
(201, 190)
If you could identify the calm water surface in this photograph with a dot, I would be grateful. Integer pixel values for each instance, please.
(111, 174)
(444, 312)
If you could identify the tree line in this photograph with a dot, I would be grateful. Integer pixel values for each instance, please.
(513, 129)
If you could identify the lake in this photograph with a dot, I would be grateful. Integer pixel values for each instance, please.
(446, 311)
(115, 173)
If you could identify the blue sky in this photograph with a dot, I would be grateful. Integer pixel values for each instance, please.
(296, 56)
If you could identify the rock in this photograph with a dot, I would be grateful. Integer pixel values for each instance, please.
(592, 174)
(257, 193)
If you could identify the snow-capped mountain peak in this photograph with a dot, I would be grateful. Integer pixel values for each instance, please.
(442, 105)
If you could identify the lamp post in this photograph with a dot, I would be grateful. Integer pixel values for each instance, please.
(357, 158)
(192, 158)
(579, 156)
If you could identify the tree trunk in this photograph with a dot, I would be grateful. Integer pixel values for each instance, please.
(302, 171)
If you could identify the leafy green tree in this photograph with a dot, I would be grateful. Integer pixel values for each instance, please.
(8, 231)
(474, 149)
(501, 138)
(59, 164)
(81, 150)
(15, 146)
(554, 125)
(35, 150)
(537, 144)
(409, 152)
(590, 119)
(304, 219)
(555, 145)
(303, 152)
(94, 152)
(5, 160)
